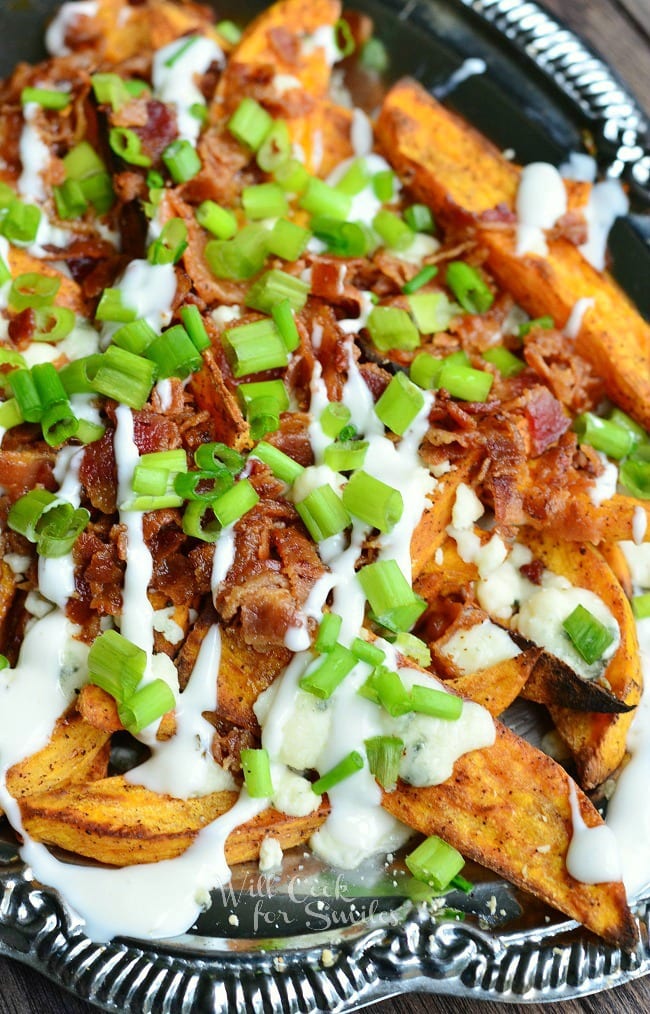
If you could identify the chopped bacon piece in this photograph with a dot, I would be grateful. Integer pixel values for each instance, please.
(546, 418)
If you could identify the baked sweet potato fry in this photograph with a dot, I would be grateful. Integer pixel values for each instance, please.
(121, 824)
(499, 685)
(507, 807)
(461, 175)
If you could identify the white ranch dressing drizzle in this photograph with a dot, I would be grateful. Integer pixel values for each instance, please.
(593, 856)
(224, 557)
(56, 574)
(149, 290)
(607, 202)
(541, 200)
(639, 525)
(65, 17)
(183, 766)
(579, 309)
(324, 38)
(35, 158)
(603, 486)
(468, 68)
(175, 84)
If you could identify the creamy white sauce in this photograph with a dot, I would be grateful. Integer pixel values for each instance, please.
(224, 557)
(34, 156)
(176, 84)
(593, 856)
(271, 855)
(56, 573)
(149, 290)
(468, 68)
(603, 486)
(607, 202)
(638, 560)
(574, 323)
(541, 200)
(324, 38)
(361, 135)
(64, 19)
(639, 525)
(479, 647)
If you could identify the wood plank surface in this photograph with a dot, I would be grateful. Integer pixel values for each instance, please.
(620, 30)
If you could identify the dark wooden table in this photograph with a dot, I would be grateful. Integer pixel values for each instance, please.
(620, 29)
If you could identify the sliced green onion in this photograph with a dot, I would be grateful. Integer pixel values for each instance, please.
(254, 347)
(194, 326)
(435, 862)
(416, 649)
(333, 418)
(344, 38)
(356, 178)
(216, 456)
(78, 376)
(285, 322)
(419, 218)
(275, 149)
(47, 98)
(124, 377)
(148, 704)
(384, 754)
(59, 529)
(32, 289)
(236, 502)
(275, 286)
(212, 485)
(288, 240)
(374, 55)
(425, 370)
(240, 257)
(135, 336)
(128, 146)
(622, 419)
(546, 322)
(368, 652)
(348, 433)
(52, 324)
(48, 384)
(373, 501)
(606, 436)
(634, 475)
(399, 404)
(382, 184)
(196, 524)
(345, 239)
(5, 273)
(26, 513)
(229, 31)
(257, 773)
(273, 389)
(58, 424)
(346, 455)
(88, 432)
(323, 513)
(506, 363)
(345, 768)
(332, 669)
(390, 691)
(469, 288)
(393, 602)
(181, 160)
(641, 606)
(423, 276)
(217, 220)
(328, 632)
(292, 176)
(70, 200)
(4, 662)
(465, 383)
(26, 395)
(116, 664)
(111, 308)
(392, 328)
(250, 123)
(319, 198)
(20, 224)
(437, 703)
(174, 353)
(263, 402)
(7, 196)
(110, 90)
(393, 230)
(172, 243)
(174, 460)
(431, 311)
(98, 189)
(588, 635)
(282, 466)
(10, 414)
(82, 161)
(264, 200)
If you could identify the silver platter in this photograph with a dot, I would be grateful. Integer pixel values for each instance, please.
(356, 949)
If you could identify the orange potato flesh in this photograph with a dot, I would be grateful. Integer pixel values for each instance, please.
(460, 175)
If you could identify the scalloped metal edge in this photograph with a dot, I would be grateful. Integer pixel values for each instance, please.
(419, 954)
(582, 76)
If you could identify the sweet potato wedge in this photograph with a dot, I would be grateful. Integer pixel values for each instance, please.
(431, 531)
(461, 175)
(552, 683)
(497, 686)
(596, 741)
(507, 807)
(76, 752)
(117, 823)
